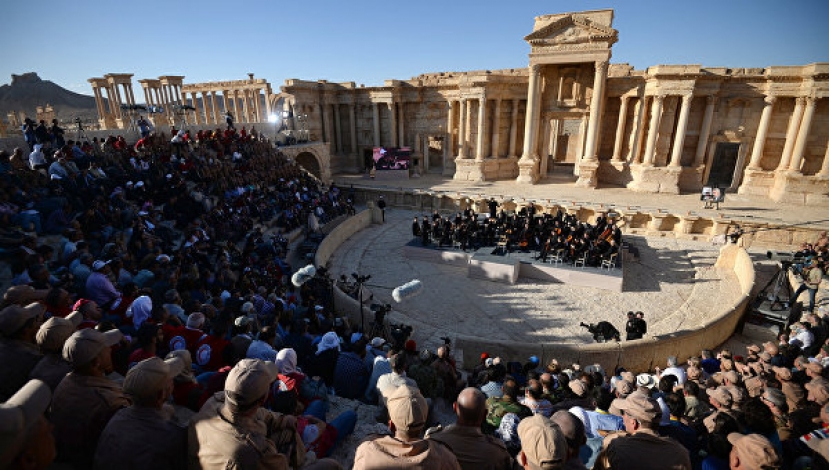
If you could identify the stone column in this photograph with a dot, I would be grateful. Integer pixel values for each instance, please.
(146, 97)
(513, 129)
(620, 129)
(462, 129)
(338, 130)
(653, 130)
(530, 127)
(215, 109)
(705, 130)
(791, 133)
(762, 131)
(401, 125)
(638, 131)
(352, 118)
(245, 108)
(450, 130)
(393, 111)
(481, 144)
(681, 127)
(225, 100)
(99, 101)
(197, 111)
(590, 149)
(467, 136)
(496, 130)
(803, 135)
(824, 168)
(375, 115)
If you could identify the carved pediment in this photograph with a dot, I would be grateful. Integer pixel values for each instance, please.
(572, 29)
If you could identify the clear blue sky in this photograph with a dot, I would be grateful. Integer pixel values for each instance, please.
(368, 41)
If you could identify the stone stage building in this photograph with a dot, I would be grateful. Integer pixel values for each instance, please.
(666, 129)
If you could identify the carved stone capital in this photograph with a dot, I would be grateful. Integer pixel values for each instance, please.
(535, 69)
(710, 100)
(659, 99)
(769, 100)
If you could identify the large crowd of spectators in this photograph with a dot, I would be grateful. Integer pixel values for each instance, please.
(145, 283)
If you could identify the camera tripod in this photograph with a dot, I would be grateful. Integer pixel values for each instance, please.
(379, 327)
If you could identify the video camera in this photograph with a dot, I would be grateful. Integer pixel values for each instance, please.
(602, 332)
(380, 311)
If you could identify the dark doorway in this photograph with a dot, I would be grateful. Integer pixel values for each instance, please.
(309, 162)
(723, 165)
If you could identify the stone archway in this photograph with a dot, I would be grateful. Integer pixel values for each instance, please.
(309, 161)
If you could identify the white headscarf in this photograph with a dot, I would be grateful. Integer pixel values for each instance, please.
(141, 309)
(329, 341)
(286, 361)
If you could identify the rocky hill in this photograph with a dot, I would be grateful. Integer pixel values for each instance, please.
(28, 91)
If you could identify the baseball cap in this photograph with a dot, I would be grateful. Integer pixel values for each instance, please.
(377, 342)
(721, 394)
(23, 295)
(407, 408)
(577, 387)
(732, 376)
(18, 414)
(819, 390)
(542, 442)
(85, 345)
(249, 381)
(240, 321)
(356, 337)
(534, 359)
(99, 265)
(640, 406)
(814, 367)
(754, 450)
(187, 361)
(783, 373)
(55, 331)
(13, 317)
(151, 376)
(196, 320)
(484, 356)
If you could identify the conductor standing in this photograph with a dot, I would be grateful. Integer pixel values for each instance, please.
(382, 205)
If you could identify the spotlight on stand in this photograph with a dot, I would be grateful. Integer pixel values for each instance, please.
(272, 118)
(303, 275)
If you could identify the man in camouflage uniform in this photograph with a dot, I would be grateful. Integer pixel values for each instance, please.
(426, 376)
(498, 407)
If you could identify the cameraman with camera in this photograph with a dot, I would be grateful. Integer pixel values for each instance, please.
(812, 275)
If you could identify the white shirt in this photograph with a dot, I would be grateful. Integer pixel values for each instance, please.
(676, 371)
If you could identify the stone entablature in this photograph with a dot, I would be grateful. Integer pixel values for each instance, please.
(249, 101)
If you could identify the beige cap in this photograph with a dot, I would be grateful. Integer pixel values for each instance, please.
(407, 408)
(23, 295)
(721, 394)
(249, 381)
(151, 376)
(754, 386)
(819, 391)
(754, 450)
(814, 368)
(577, 387)
(640, 406)
(85, 345)
(53, 334)
(771, 348)
(738, 395)
(732, 376)
(186, 372)
(542, 442)
(783, 373)
(753, 348)
(13, 317)
(18, 415)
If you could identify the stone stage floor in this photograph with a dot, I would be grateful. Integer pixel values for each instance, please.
(674, 283)
(498, 265)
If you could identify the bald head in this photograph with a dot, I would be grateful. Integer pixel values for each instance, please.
(442, 351)
(471, 407)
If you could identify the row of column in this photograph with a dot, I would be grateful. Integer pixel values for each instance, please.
(244, 104)
(114, 98)
(485, 140)
(164, 95)
(797, 136)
